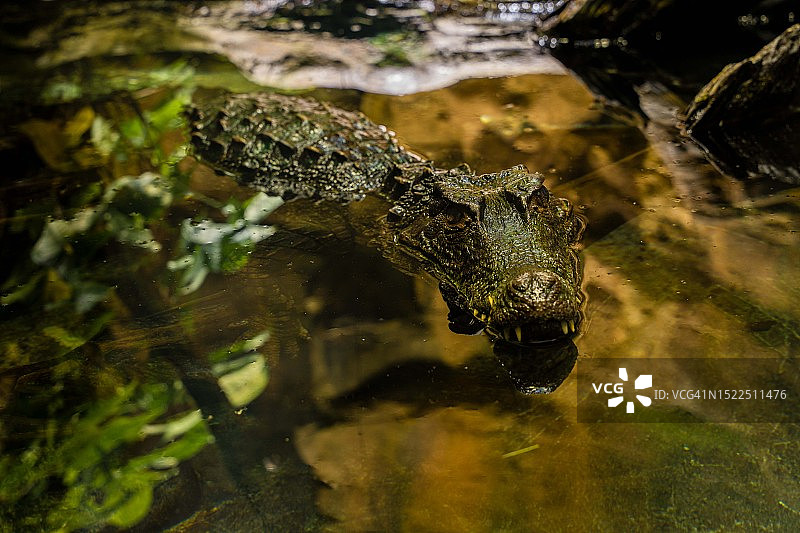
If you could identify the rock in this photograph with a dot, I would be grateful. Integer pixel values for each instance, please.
(617, 46)
(747, 118)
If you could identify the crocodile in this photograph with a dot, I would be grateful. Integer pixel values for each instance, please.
(501, 246)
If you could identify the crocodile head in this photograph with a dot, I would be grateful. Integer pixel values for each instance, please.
(502, 247)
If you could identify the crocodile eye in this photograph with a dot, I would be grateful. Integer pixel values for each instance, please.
(455, 218)
(564, 207)
(539, 198)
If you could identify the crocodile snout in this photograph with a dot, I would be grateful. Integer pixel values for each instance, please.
(535, 290)
(532, 306)
(530, 286)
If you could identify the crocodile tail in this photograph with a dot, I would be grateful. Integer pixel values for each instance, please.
(294, 147)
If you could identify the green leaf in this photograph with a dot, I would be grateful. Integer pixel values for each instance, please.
(22, 291)
(175, 427)
(62, 91)
(134, 508)
(55, 235)
(252, 234)
(240, 348)
(103, 136)
(194, 276)
(170, 114)
(261, 205)
(243, 380)
(64, 337)
(134, 131)
(234, 256)
(77, 126)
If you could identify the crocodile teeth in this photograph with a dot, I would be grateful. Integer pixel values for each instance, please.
(518, 331)
(564, 327)
(484, 318)
(491, 301)
(476, 313)
(572, 326)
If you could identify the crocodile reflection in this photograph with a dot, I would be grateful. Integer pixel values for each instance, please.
(501, 246)
(537, 369)
(513, 369)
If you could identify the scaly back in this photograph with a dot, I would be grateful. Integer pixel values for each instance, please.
(292, 146)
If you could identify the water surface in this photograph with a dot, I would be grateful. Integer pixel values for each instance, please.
(269, 372)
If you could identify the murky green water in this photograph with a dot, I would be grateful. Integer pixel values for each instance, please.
(174, 357)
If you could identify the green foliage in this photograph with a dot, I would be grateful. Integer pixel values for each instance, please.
(222, 246)
(127, 205)
(241, 371)
(67, 87)
(240, 348)
(61, 259)
(123, 211)
(89, 450)
(89, 459)
(95, 450)
(103, 136)
(399, 49)
(54, 335)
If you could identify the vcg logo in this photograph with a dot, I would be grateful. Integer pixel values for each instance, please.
(644, 381)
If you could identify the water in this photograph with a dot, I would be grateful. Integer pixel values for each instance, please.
(155, 375)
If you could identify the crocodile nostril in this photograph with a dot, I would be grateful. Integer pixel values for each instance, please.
(522, 282)
(533, 285)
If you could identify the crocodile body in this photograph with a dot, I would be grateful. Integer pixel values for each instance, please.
(501, 246)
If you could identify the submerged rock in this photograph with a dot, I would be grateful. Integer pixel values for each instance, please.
(618, 46)
(747, 119)
(400, 47)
